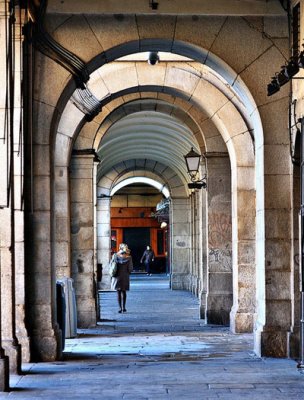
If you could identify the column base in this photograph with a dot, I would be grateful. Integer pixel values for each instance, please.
(241, 322)
(218, 308)
(105, 283)
(4, 374)
(202, 305)
(275, 343)
(218, 317)
(195, 285)
(13, 352)
(25, 348)
(258, 329)
(86, 314)
(45, 346)
(180, 281)
(294, 343)
(21, 333)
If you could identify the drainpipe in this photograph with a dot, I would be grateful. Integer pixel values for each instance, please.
(301, 362)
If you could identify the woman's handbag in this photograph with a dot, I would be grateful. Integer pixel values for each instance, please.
(113, 266)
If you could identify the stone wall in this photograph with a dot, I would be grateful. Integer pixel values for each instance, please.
(180, 244)
(84, 268)
(220, 293)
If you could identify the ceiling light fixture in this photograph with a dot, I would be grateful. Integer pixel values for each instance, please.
(153, 4)
(153, 58)
(286, 74)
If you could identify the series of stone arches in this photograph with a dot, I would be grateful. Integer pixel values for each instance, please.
(244, 130)
(234, 245)
(208, 95)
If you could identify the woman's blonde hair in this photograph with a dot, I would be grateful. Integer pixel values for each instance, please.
(123, 247)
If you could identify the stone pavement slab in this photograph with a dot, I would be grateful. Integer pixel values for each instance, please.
(159, 349)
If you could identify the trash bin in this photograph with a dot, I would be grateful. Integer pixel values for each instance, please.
(70, 305)
(61, 310)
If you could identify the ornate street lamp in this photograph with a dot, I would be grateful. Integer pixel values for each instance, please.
(193, 162)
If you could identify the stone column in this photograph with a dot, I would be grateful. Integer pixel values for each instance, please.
(196, 247)
(204, 255)
(104, 239)
(83, 235)
(294, 340)
(180, 243)
(40, 281)
(8, 300)
(192, 244)
(219, 297)
(21, 331)
(242, 314)
(279, 293)
(62, 245)
(4, 360)
(11, 219)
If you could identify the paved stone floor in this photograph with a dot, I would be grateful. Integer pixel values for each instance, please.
(160, 350)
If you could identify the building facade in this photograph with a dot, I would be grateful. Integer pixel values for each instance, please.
(98, 96)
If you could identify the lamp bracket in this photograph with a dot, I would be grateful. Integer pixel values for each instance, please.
(198, 183)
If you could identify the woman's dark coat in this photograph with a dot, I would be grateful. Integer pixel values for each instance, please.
(124, 268)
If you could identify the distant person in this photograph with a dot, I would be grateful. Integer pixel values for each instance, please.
(148, 258)
(121, 282)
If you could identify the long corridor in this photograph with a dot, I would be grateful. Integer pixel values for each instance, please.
(159, 349)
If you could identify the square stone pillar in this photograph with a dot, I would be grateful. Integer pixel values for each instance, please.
(11, 213)
(180, 243)
(84, 268)
(192, 266)
(204, 255)
(195, 237)
(220, 291)
(104, 240)
(242, 315)
(40, 281)
(62, 226)
(294, 340)
(279, 265)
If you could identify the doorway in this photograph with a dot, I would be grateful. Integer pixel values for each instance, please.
(137, 240)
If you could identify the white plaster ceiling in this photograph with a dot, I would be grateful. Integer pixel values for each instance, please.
(150, 135)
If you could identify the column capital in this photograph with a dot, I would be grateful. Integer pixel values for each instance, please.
(216, 155)
(85, 153)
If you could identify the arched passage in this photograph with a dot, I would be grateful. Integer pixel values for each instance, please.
(129, 181)
(225, 131)
(226, 111)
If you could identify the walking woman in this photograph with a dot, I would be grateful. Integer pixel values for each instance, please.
(148, 258)
(121, 282)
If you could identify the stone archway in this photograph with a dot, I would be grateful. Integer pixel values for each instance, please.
(254, 118)
(246, 324)
(240, 148)
(167, 177)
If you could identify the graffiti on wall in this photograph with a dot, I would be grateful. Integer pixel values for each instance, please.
(219, 239)
(219, 230)
(222, 257)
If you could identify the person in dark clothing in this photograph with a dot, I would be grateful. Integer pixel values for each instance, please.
(147, 258)
(121, 282)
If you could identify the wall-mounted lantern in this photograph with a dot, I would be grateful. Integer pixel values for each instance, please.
(193, 162)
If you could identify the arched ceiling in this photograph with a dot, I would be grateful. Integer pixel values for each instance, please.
(147, 134)
(215, 95)
(149, 104)
(142, 168)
